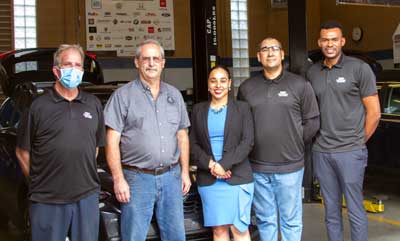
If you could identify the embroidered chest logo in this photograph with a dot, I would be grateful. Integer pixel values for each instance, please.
(341, 80)
(283, 93)
(87, 115)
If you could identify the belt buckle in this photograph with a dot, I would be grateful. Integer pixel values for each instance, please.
(159, 170)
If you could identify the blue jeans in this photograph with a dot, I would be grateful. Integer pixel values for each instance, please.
(343, 174)
(53, 222)
(162, 192)
(278, 193)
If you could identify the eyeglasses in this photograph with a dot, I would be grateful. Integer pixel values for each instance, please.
(147, 59)
(273, 48)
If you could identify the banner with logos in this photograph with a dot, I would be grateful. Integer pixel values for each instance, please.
(120, 25)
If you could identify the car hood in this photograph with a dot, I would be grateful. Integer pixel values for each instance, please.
(35, 66)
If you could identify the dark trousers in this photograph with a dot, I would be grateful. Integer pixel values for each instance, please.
(338, 174)
(53, 222)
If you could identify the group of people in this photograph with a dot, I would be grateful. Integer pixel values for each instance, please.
(249, 152)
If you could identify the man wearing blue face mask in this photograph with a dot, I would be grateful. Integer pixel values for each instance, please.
(57, 144)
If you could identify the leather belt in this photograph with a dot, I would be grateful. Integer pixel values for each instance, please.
(155, 172)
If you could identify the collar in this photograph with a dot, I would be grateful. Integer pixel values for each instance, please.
(339, 64)
(56, 97)
(145, 87)
(276, 80)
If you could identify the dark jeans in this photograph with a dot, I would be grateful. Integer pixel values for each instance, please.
(52, 222)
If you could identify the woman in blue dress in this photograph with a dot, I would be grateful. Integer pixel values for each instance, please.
(221, 138)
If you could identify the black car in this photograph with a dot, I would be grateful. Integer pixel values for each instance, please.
(383, 146)
(25, 74)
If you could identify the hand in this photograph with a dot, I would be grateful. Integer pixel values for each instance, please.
(218, 170)
(211, 164)
(186, 183)
(122, 191)
(226, 176)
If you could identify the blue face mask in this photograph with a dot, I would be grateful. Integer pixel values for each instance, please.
(71, 77)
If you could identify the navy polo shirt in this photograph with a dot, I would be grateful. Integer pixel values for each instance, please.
(62, 137)
(279, 108)
(148, 126)
(339, 92)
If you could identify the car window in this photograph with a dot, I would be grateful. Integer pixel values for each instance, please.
(9, 116)
(393, 104)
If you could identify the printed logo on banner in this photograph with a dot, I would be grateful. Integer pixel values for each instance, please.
(140, 6)
(140, 29)
(145, 22)
(107, 14)
(118, 5)
(166, 15)
(131, 29)
(115, 21)
(91, 21)
(108, 46)
(163, 3)
(156, 22)
(91, 46)
(136, 14)
(117, 46)
(91, 37)
(125, 21)
(96, 4)
(107, 38)
(92, 30)
(93, 14)
(164, 30)
(122, 14)
(99, 46)
(150, 14)
(103, 21)
(128, 38)
(98, 38)
(150, 29)
(136, 21)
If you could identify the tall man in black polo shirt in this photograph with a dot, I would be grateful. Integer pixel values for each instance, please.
(286, 116)
(350, 112)
(57, 145)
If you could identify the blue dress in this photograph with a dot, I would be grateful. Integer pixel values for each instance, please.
(224, 203)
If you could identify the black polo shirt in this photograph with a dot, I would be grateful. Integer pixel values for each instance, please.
(339, 91)
(279, 107)
(62, 137)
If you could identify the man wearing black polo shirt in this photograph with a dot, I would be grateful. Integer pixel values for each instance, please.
(350, 112)
(286, 116)
(57, 144)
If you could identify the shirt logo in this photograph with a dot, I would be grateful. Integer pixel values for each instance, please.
(283, 93)
(341, 80)
(87, 115)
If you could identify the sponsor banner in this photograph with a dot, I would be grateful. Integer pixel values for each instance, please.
(121, 25)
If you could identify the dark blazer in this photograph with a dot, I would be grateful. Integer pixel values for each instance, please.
(238, 142)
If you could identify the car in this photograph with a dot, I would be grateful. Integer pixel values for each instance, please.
(383, 146)
(26, 74)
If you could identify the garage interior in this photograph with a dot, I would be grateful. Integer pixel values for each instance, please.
(296, 24)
